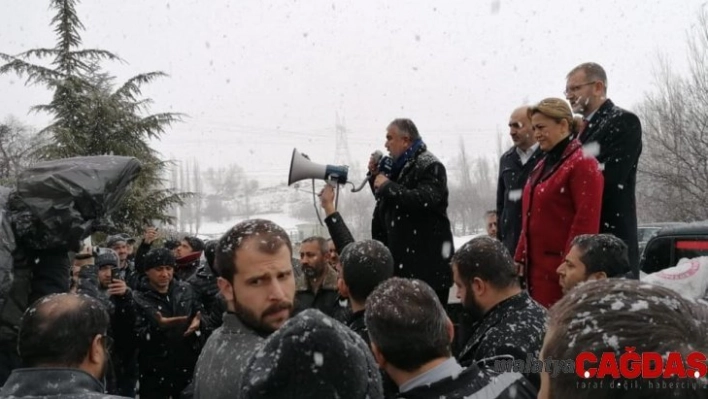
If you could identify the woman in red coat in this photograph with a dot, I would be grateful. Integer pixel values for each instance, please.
(562, 199)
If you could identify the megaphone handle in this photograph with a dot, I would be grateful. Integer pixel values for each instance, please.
(314, 203)
(336, 198)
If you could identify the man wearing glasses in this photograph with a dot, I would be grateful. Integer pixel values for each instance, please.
(64, 347)
(514, 168)
(614, 136)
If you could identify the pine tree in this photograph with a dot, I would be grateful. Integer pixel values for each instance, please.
(93, 116)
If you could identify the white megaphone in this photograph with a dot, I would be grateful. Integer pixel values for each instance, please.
(301, 168)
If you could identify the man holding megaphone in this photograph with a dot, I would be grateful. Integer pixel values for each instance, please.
(411, 208)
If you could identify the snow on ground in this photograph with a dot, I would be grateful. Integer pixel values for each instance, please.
(460, 241)
(216, 229)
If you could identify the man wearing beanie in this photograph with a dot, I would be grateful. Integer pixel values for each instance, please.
(188, 254)
(167, 329)
(256, 279)
(99, 281)
(411, 337)
(312, 356)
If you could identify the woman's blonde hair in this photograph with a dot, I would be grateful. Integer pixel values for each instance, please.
(556, 109)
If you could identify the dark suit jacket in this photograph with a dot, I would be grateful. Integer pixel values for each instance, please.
(512, 179)
(618, 133)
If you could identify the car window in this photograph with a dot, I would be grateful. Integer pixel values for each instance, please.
(657, 255)
(645, 233)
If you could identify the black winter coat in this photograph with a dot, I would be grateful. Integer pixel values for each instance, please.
(514, 328)
(618, 133)
(410, 218)
(123, 362)
(474, 383)
(120, 309)
(53, 383)
(205, 287)
(136, 281)
(510, 187)
(187, 266)
(338, 230)
(140, 254)
(357, 324)
(166, 357)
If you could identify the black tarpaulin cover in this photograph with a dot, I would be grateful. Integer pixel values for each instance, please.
(57, 202)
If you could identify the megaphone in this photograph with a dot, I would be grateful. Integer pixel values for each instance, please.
(301, 168)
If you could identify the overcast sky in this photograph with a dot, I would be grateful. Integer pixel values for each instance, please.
(258, 78)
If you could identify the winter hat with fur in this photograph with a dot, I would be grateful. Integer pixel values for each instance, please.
(312, 356)
(158, 257)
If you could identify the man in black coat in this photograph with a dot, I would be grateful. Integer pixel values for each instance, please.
(365, 264)
(189, 255)
(204, 283)
(126, 268)
(410, 217)
(167, 329)
(64, 350)
(99, 282)
(411, 336)
(614, 136)
(509, 324)
(514, 168)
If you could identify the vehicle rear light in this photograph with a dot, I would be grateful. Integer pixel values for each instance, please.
(692, 245)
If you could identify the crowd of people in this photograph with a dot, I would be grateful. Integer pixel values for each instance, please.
(250, 316)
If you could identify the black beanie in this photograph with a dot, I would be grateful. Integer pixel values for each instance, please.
(158, 257)
(108, 258)
(312, 356)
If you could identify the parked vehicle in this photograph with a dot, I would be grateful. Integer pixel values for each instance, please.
(671, 244)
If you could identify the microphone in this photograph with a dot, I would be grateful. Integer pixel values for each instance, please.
(384, 166)
(377, 155)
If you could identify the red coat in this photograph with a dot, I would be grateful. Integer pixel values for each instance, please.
(563, 203)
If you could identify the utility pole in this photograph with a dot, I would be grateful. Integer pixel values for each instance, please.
(341, 143)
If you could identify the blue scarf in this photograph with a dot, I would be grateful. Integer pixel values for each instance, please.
(399, 163)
